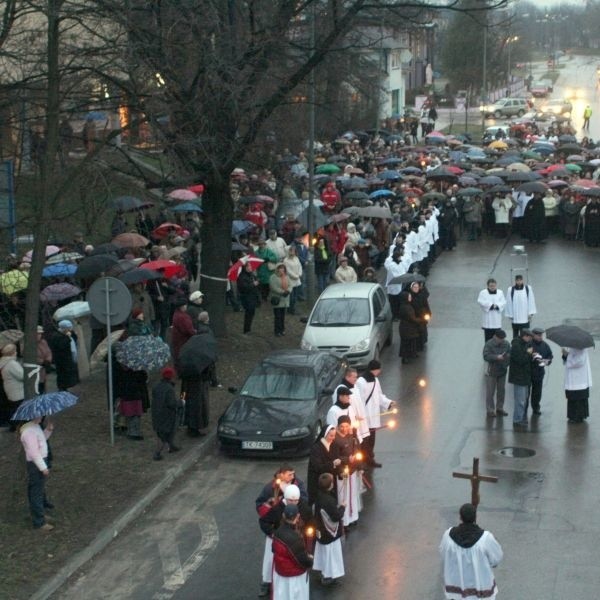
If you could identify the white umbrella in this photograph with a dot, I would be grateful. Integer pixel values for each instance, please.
(74, 310)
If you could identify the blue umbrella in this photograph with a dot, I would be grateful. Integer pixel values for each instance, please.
(187, 207)
(59, 270)
(44, 405)
(381, 193)
(389, 174)
(239, 227)
(143, 353)
(411, 170)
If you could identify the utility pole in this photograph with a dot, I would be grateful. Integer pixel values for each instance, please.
(310, 265)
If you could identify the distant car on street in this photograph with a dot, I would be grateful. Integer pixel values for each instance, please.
(540, 89)
(556, 106)
(282, 405)
(506, 107)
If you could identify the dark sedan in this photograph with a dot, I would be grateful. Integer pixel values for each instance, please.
(282, 405)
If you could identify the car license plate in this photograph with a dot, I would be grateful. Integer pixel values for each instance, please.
(257, 445)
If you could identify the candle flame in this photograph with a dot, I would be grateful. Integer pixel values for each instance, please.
(358, 456)
(394, 411)
(427, 317)
(422, 383)
(391, 424)
(346, 470)
(310, 531)
(277, 481)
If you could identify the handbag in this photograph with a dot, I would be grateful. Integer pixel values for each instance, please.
(275, 300)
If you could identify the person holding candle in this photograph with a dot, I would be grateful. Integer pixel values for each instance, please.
(341, 407)
(360, 426)
(321, 461)
(291, 560)
(272, 492)
(345, 447)
(329, 559)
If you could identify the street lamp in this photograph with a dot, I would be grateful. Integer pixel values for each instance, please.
(509, 43)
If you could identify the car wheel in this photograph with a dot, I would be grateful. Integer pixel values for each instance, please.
(497, 114)
(521, 113)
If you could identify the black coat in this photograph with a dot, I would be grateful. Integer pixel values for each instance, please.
(326, 503)
(67, 374)
(519, 370)
(164, 407)
(320, 461)
(409, 323)
(247, 291)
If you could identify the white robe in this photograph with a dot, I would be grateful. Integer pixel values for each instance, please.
(393, 269)
(377, 403)
(329, 559)
(520, 305)
(521, 200)
(578, 374)
(335, 412)
(491, 319)
(290, 588)
(361, 424)
(470, 568)
(348, 493)
(267, 564)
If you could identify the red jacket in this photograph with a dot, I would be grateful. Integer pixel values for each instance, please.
(183, 330)
(330, 197)
(290, 557)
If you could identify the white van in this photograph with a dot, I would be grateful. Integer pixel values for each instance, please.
(350, 319)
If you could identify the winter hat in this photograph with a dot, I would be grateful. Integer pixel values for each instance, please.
(292, 492)
(195, 296)
(168, 373)
(65, 324)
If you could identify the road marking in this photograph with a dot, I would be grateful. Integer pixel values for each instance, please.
(175, 575)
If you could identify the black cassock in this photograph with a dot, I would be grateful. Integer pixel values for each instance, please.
(320, 461)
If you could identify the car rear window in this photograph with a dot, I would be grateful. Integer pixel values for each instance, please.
(272, 382)
(341, 312)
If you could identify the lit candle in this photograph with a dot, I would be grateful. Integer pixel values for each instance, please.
(346, 471)
(391, 424)
(427, 317)
(422, 382)
(310, 532)
(358, 456)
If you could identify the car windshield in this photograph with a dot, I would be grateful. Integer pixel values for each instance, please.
(270, 382)
(341, 312)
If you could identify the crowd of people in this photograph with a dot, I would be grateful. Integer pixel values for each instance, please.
(304, 524)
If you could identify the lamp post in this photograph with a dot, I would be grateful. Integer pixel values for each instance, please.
(509, 42)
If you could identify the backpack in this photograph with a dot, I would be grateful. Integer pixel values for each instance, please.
(512, 292)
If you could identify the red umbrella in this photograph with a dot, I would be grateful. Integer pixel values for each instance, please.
(162, 231)
(130, 240)
(584, 183)
(182, 194)
(413, 191)
(238, 265)
(197, 188)
(169, 267)
(265, 199)
(455, 170)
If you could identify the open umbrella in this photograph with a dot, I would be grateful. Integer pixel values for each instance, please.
(593, 192)
(13, 281)
(130, 240)
(197, 188)
(491, 180)
(59, 270)
(50, 251)
(92, 266)
(518, 176)
(339, 217)
(498, 145)
(44, 405)
(557, 183)
(143, 353)
(569, 148)
(389, 174)
(187, 207)
(584, 183)
(470, 191)
(573, 168)
(59, 291)
(327, 169)
(162, 231)
(441, 173)
(182, 194)
(176, 251)
(168, 268)
(130, 203)
(377, 212)
(198, 353)
(63, 257)
(74, 310)
(140, 275)
(318, 218)
(382, 194)
(406, 278)
(101, 351)
(356, 196)
(10, 336)
(354, 183)
(467, 181)
(533, 187)
(570, 336)
(106, 248)
(500, 189)
(236, 268)
(433, 196)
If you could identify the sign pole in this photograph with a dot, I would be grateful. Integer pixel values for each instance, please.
(111, 402)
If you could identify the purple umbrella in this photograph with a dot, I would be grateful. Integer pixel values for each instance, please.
(59, 291)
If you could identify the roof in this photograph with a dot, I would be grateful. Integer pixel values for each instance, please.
(349, 290)
(293, 358)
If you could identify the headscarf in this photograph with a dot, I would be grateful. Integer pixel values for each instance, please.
(324, 432)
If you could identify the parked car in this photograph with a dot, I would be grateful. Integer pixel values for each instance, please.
(556, 107)
(282, 405)
(506, 107)
(350, 319)
(539, 89)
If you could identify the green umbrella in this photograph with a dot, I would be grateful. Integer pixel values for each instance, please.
(327, 169)
(574, 168)
(531, 154)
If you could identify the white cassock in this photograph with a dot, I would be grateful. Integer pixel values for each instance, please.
(578, 375)
(267, 565)
(361, 424)
(348, 493)
(393, 269)
(491, 319)
(411, 247)
(377, 402)
(424, 242)
(520, 304)
(335, 412)
(470, 568)
(329, 559)
(290, 588)
(521, 200)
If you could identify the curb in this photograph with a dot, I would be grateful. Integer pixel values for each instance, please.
(111, 531)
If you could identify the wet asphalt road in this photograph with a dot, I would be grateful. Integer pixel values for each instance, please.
(202, 540)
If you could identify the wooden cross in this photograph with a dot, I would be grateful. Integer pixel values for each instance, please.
(475, 478)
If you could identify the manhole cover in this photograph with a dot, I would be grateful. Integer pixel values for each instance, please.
(516, 452)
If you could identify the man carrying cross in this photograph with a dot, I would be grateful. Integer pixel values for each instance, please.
(469, 554)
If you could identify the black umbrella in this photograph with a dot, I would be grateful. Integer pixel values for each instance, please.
(470, 191)
(522, 176)
(198, 353)
(138, 276)
(533, 187)
(406, 278)
(441, 173)
(434, 196)
(500, 189)
(357, 195)
(570, 148)
(92, 266)
(567, 139)
(491, 180)
(591, 192)
(570, 336)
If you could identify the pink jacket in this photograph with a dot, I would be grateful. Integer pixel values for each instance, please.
(33, 438)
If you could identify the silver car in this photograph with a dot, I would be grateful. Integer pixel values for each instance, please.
(350, 319)
(506, 107)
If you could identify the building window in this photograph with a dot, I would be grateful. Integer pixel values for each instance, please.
(396, 64)
(395, 102)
